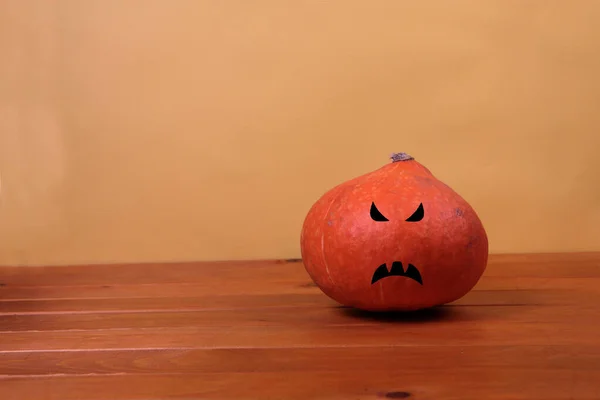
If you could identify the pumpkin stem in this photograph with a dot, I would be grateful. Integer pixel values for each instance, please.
(400, 157)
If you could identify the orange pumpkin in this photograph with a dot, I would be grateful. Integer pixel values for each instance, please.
(394, 239)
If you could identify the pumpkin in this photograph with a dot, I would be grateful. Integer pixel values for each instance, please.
(394, 239)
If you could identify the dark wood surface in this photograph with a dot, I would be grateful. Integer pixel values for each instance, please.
(262, 330)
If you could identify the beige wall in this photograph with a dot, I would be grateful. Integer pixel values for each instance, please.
(188, 130)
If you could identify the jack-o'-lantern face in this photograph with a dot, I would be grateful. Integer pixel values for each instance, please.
(397, 268)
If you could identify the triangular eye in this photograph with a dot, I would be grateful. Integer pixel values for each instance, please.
(376, 215)
(417, 215)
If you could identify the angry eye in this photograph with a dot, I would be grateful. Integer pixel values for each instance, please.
(376, 215)
(417, 215)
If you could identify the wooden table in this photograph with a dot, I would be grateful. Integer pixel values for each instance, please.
(262, 330)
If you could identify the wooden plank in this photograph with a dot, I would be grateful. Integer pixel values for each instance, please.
(186, 361)
(154, 273)
(314, 298)
(417, 333)
(264, 288)
(560, 258)
(50, 306)
(401, 382)
(299, 316)
(209, 288)
(575, 265)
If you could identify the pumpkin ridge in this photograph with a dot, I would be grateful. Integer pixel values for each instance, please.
(340, 190)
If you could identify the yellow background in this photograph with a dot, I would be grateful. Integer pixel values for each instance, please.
(193, 130)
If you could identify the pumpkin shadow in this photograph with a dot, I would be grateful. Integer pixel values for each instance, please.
(434, 314)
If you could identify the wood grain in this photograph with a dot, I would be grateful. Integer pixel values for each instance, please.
(260, 329)
(282, 337)
(423, 384)
(223, 360)
(309, 298)
(452, 317)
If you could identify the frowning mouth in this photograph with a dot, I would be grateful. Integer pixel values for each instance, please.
(397, 270)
